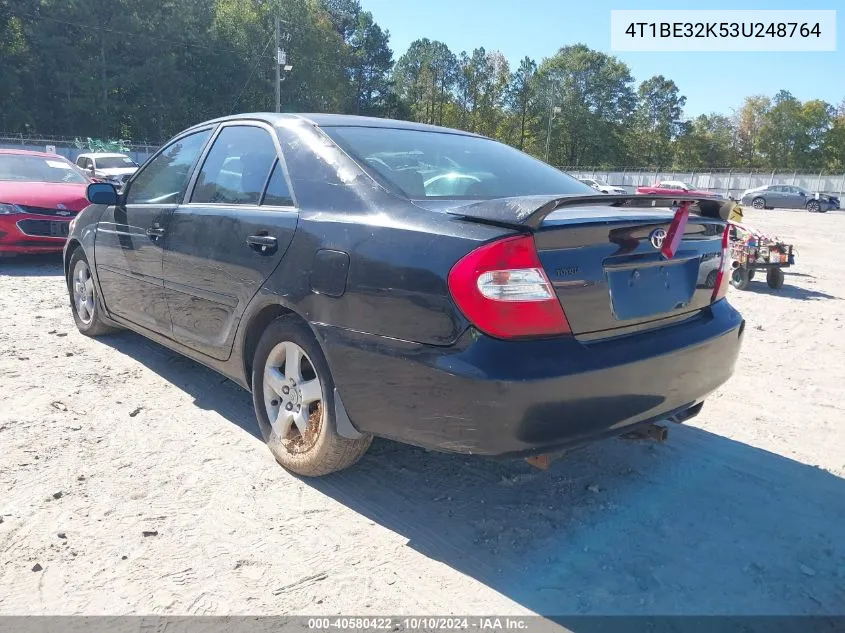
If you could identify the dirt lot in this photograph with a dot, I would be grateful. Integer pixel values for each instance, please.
(132, 481)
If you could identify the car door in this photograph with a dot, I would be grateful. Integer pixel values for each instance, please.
(232, 232)
(797, 198)
(129, 236)
(774, 196)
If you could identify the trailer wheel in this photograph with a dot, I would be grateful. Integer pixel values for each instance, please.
(740, 278)
(775, 278)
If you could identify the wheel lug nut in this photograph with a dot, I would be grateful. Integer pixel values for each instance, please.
(298, 407)
(275, 403)
(285, 390)
(289, 406)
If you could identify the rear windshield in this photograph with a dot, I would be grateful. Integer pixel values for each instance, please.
(425, 164)
(38, 169)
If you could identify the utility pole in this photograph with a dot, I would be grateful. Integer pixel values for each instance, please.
(552, 112)
(278, 65)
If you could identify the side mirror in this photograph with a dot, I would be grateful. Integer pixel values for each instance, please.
(101, 193)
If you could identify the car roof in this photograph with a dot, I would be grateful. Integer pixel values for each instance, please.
(28, 152)
(337, 120)
(102, 155)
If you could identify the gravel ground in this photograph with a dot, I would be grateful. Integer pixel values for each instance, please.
(132, 480)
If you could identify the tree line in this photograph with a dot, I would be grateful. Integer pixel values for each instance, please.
(145, 69)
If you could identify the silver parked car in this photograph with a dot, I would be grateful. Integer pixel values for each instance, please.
(598, 185)
(788, 197)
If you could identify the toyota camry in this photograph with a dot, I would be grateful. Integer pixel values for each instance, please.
(366, 277)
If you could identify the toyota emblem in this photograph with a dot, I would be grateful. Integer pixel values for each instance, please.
(657, 237)
(61, 206)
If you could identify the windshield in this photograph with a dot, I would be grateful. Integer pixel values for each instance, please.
(114, 162)
(38, 169)
(425, 164)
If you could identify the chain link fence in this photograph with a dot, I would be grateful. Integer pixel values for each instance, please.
(66, 146)
(729, 182)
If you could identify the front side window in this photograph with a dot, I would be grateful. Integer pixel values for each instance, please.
(425, 164)
(236, 169)
(165, 179)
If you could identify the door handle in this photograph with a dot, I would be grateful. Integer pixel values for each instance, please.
(262, 243)
(155, 231)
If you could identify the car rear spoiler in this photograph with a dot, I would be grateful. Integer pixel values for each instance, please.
(528, 212)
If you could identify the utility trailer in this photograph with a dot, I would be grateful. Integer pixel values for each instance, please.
(752, 250)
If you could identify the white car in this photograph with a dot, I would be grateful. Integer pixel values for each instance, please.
(114, 168)
(598, 185)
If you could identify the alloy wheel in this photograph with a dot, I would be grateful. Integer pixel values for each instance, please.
(293, 397)
(83, 292)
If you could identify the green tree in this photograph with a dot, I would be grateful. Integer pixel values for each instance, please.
(656, 122)
(748, 121)
(522, 92)
(792, 134)
(425, 77)
(595, 96)
(707, 141)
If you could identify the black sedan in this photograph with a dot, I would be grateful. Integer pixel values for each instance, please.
(366, 277)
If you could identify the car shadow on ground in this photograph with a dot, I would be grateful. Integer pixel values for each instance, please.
(210, 390)
(788, 291)
(32, 266)
(699, 525)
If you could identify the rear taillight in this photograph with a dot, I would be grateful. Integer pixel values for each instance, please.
(503, 291)
(723, 277)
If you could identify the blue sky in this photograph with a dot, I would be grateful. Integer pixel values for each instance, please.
(712, 82)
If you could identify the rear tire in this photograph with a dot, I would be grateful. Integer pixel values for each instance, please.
(84, 300)
(775, 278)
(758, 203)
(740, 278)
(293, 387)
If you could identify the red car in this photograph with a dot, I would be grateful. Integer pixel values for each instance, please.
(39, 195)
(677, 188)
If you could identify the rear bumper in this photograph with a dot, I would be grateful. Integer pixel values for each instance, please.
(494, 397)
(15, 240)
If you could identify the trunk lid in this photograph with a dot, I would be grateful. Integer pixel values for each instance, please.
(608, 273)
(604, 261)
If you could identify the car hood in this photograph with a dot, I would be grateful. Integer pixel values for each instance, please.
(46, 195)
(117, 171)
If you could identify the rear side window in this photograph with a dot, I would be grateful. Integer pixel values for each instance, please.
(278, 193)
(164, 180)
(237, 167)
(424, 164)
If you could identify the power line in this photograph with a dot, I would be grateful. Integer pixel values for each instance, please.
(254, 68)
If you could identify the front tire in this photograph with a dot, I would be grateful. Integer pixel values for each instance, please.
(293, 396)
(758, 203)
(775, 278)
(84, 302)
(813, 206)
